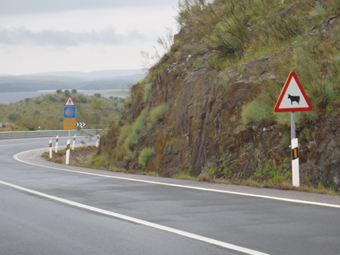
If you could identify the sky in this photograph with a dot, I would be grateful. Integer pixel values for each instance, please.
(80, 35)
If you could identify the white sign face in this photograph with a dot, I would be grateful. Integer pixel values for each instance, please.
(293, 98)
(69, 102)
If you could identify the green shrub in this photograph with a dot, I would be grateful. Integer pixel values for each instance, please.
(100, 160)
(38, 101)
(132, 138)
(124, 132)
(318, 11)
(117, 153)
(74, 91)
(320, 186)
(147, 91)
(97, 95)
(129, 134)
(127, 101)
(14, 117)
(58, 91)
(82, 99)
(157, 114)
(254, 112)
(140, 121)
(52, 98)
(145, 154)
(212, 169)
(276, 175)
(185, 176)
(284, 118)
(226, 171)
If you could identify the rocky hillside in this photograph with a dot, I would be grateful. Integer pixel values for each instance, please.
(207, 106)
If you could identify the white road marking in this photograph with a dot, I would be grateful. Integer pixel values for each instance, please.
(182, 186)
(138, 221)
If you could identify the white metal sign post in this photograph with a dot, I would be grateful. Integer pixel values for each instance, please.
(293, 99)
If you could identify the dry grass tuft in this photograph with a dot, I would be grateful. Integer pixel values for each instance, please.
(204, 178)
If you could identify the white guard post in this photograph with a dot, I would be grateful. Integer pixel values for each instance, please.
(97, 142)
(67, 160)
(74, 141)
(295, 163)
(56, 143)
(50, 149)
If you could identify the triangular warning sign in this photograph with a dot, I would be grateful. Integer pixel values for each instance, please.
(69, 102)
(293, 98)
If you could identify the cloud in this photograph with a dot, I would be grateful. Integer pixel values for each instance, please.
(48, 37)
(14, 7)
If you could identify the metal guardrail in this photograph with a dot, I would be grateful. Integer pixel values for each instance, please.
(49, 133)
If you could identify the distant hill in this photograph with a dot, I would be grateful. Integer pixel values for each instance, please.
(47, 111)
(106, 79)
(97, 75)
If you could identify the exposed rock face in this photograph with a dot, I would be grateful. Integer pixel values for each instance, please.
(203, 129)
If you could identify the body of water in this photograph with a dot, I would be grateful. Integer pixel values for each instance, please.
(13, 97)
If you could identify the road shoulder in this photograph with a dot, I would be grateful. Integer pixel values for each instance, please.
(34, 157)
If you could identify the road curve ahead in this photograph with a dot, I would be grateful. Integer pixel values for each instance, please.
(46, 208)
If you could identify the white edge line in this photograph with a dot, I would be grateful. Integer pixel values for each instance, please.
(140, 222)
(182, 186)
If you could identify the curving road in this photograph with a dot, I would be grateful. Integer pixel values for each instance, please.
(47, 208)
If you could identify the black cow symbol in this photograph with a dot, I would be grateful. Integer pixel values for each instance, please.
(294, 99)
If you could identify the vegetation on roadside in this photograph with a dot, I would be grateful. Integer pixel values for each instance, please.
(145, 154)
(47, 111)
(262, 178)
(86, 156)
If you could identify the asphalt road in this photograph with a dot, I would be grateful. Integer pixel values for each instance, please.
(46, 208)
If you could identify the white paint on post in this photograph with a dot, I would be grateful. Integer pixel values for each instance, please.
(50, 149)
(295, 163)
(56, 143)
(97, 142)
(74, 141)
(67, 160)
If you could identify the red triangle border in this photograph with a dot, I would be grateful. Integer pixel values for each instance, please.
(279, 101)
(74, 104)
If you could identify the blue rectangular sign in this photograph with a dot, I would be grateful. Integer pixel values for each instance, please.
(69, 111)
